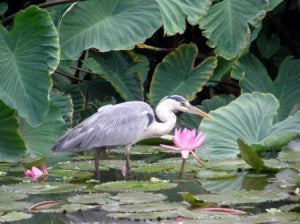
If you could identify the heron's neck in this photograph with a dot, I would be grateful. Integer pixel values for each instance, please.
(167, 118)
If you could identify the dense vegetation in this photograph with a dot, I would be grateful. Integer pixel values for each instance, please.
(61, 60)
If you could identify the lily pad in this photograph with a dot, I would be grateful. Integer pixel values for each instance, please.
(11, 196)
(288, 178)
(213, 217)
(145, 215)
(147, 207)
(94, 198)
(167, 166)
(277, 217)
(228, 164)
(214, 174)
(289, 156)
(104, 165)
(39, 188)
(126, 186)
(14, 206)
(14, 216)
(138, 197)
(243, 197)
(67, 208)
(141, 150)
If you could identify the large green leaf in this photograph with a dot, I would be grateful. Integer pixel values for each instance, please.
(254, 77)
(40, 139)
(108, 25)
(175, 12)
(249, 117)
(251, 157)
(176, 74)
(226, 25)
(28, 54)
(65, 104)
(12, 146)
(193, 121)
(122, 70)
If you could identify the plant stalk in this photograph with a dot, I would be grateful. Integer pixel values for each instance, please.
(180, 173)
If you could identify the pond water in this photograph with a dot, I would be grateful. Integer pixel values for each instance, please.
(154, 194)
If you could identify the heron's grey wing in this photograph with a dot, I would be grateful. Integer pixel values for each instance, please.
(121, 124)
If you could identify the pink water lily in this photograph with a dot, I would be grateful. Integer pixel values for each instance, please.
(35, 173)
(186, 141)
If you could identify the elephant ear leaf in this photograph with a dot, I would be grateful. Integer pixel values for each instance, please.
(107, 25)
(176, 74)
(29, 54)
(226, 25)
(250, 117)
(12, 146)
(40, 139)
(250, 156)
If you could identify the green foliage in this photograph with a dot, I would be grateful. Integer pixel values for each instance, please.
(175, 12)
(29, 54)
(122, 50)
(107, 25)
(226, 25)
(128, 186)
(176, 74)
(12, 145)
(254, 77)
(124, 71)
(250, 117)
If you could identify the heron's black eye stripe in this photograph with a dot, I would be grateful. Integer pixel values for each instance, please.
(177, 98)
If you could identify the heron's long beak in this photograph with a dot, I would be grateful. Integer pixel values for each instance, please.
(194, 110)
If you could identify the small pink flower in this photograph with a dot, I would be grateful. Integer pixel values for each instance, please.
(186, 141)
(35, 173)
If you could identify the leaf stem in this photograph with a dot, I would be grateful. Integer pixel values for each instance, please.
(181, 168)
(69, 76)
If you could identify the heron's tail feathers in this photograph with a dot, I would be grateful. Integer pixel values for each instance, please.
(65, 143)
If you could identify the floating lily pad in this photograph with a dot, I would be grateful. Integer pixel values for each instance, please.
(277, 217)
(14, 216)
(14, 206)
(104, 165)
(276, 164)
(288, 178)
(141, 208)
(134, 186)
(290, 208)
(145, 215)
(94, 198)
(39, 188)
(167, 166)
(138, 197)
(141, 150)
(67, 208)
(214, 174)
(242, 197)
(289, 156)
(11, 196)
(213, 217)
(228, 164)
(2, 173)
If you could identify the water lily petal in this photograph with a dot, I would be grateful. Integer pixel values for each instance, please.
(36, 172)
(185, 153)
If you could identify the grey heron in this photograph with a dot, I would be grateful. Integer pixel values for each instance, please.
(124, 124)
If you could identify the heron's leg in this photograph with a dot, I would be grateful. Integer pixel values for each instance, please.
(98, 154)
(128, 168)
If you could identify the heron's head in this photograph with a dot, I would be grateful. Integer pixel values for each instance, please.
(178, 103)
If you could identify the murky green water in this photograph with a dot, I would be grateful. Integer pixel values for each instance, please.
(158, 198)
